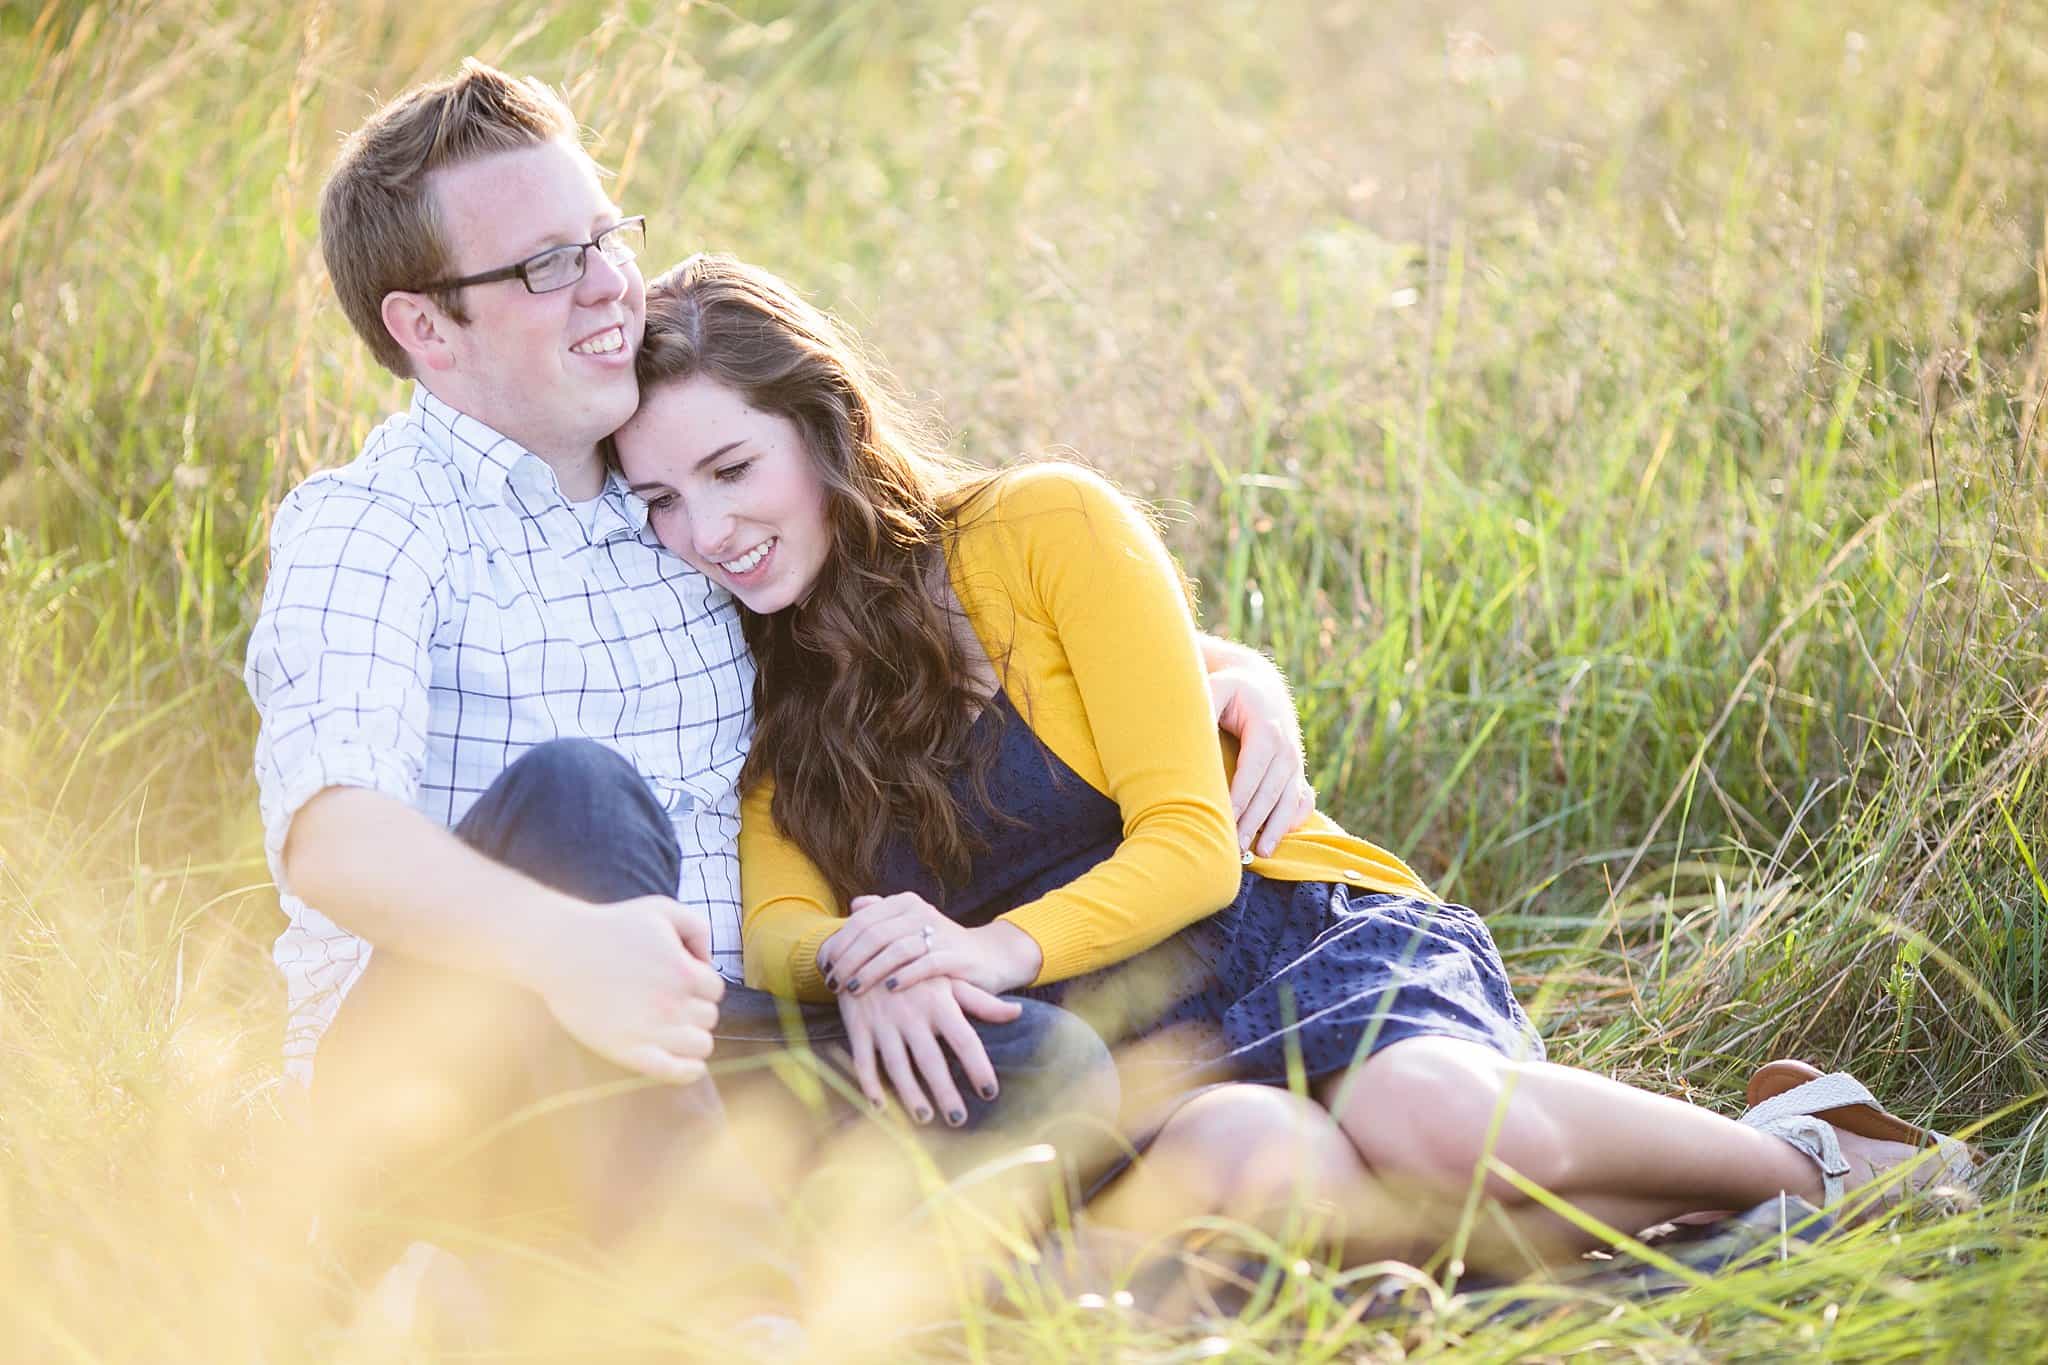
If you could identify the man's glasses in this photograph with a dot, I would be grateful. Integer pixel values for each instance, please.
(561, 266)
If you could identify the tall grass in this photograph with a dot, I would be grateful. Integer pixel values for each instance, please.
(1622, 420)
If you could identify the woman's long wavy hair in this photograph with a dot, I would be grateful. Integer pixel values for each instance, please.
(864, 701)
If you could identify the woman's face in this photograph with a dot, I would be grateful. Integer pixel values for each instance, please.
(729, 488)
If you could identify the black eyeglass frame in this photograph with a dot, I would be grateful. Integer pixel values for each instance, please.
(517, 271)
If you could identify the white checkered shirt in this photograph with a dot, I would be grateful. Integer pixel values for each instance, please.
(437, 608)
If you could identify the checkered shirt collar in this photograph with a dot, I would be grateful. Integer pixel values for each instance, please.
(492, 463)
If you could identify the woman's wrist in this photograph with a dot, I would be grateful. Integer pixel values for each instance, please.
(1014, 955)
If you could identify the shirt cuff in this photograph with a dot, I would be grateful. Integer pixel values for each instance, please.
(340, 765)
(808, 981)
(1067, 940)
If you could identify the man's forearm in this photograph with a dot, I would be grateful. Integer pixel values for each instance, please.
(385, 872)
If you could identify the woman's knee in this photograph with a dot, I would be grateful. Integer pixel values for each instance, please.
(1437, 1110)
(1244, 1146)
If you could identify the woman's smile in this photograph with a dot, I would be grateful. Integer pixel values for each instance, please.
(751, 566)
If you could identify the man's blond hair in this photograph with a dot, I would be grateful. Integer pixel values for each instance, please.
(380, 229)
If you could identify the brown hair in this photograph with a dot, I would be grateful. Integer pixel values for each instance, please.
(379, 225)
(863, 701)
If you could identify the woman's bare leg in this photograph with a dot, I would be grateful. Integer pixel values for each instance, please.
(1425, 1113)
(1281, 1164)
(1259, 1157)
(1251, 1153)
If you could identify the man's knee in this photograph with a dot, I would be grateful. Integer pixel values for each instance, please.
(571, 773)
(1048, 1062)
(1045, 1039)
(574, 815)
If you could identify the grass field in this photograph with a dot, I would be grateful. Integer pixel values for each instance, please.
(1620, 419)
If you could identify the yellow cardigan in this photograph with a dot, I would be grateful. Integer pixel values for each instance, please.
(1072, 593)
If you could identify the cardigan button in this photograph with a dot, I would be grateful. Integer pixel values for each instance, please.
(1351, 874)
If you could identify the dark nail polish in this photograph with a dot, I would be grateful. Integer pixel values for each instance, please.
(890, 983)
(924, 1116)
(831, 983)
(853, 986)
(957, 1117)
(988, 1092)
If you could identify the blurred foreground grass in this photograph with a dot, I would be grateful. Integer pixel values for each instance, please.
(1620, 419)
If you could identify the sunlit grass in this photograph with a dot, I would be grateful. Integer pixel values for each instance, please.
(1622, 420)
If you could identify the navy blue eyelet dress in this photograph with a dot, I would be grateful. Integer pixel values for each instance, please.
(1308, 977)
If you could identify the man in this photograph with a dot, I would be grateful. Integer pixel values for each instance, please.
(501, 729)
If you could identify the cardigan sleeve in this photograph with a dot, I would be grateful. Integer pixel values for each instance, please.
(789, 908)
(1091, 567)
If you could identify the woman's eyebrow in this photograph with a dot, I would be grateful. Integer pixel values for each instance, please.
(725, 449)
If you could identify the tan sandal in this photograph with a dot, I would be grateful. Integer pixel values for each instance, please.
(1864, 1117)
(1798, 1103)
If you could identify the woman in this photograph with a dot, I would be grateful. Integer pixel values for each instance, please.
(983, 755)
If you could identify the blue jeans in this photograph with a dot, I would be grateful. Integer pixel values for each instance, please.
(575, 816)
(1048, 1063)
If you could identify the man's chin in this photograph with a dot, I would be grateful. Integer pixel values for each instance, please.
(610, 408)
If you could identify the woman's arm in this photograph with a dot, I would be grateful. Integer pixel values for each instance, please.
(788, 908)
(1079, 558)
(1072, 554)
(1068, 554)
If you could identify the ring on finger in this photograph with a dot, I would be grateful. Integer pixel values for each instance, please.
(926, 934)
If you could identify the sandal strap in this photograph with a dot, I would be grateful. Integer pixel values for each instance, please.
(1958, 1166)
(1816, 1139)
(1835, 1090)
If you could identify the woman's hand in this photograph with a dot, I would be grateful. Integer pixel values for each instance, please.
(1270, 792)
(891, 942)
(901, 1032)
